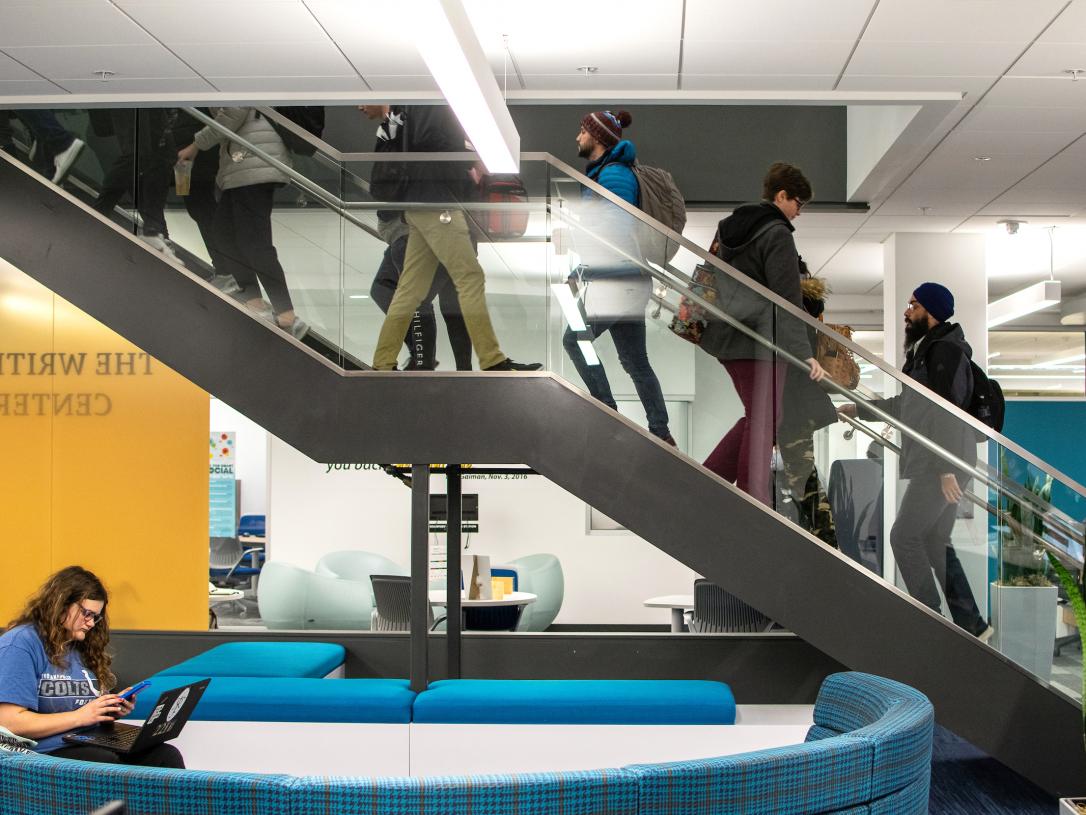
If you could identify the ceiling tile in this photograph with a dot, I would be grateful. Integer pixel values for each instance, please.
(778, 21)
(909, 223)
(971, 86)
(1026, 120)
(601, 82)
(782, 82)
(57, 24)
(252, 21)
(764, 58)
(1070, 26)
(609, 56)
(374, 41)
(189, 84)
(932, 58)
(1001, 143)
(27, 87)
(80, 62)
(263, 59)
(401, 82)
(1050, 59)
(10, 69)
(960, 21)
(288, 84)
(947, 167)
(1038, 93)
(534, 29)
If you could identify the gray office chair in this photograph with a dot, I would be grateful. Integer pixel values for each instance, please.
(716, 611)
(392, 604)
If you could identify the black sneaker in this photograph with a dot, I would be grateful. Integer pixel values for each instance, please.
(508, 365)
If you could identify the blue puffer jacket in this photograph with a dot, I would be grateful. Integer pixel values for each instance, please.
(613, 171)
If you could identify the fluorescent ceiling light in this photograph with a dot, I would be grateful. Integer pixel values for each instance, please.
(1052, 363)
(448, 45)
(1028, 300)
(569, 306)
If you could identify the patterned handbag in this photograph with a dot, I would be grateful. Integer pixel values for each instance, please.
(692, 318)
(836, 359)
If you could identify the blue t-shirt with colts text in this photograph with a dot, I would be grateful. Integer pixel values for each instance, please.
(30, 680)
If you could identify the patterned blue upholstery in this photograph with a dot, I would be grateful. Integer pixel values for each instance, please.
(869, 753)
(595, 792)
(818, 776)
(40, 785)
(912, 799)
(895, 719)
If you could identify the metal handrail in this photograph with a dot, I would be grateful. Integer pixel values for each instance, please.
(317, 191)
(778, 302)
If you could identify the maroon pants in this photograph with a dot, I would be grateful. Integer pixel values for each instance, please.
(743, 455)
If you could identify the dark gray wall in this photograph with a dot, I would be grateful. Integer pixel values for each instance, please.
(717, 153)
(761, 669)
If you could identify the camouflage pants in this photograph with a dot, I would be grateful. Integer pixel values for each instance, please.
(800, 478)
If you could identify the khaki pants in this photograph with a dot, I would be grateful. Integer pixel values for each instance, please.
(429, 243)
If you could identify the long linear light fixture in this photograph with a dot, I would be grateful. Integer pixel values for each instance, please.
(1028, 300)
(448, 45)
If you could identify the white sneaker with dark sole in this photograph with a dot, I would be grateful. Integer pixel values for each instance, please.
(63, 161)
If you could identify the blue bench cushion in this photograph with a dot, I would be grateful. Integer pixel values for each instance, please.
(278, 699)
(285, 659)
(575, 701)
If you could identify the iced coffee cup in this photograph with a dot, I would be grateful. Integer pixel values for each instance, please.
(182, 177)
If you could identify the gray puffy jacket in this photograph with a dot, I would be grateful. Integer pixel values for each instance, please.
(253, 128)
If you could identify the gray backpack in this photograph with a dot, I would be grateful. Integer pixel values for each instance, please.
(661, 200)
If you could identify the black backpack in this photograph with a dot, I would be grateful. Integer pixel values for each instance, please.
(309, 118)
(987, 402)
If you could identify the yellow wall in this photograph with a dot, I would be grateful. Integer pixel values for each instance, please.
(105, 467)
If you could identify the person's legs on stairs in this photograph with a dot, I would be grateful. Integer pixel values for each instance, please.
(630, 342)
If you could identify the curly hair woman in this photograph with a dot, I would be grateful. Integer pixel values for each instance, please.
(55, 671)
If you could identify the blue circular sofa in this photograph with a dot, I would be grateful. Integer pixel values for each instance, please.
(869, 751)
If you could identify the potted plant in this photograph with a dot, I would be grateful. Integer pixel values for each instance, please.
(1024, 598)
(1075, 595)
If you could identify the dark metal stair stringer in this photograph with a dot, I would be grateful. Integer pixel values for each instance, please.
(540, 421)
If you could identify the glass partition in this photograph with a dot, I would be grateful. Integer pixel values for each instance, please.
(644, 322)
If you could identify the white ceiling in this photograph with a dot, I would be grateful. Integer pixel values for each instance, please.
(1005, 56)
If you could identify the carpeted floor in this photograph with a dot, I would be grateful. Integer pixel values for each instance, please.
(965, 781)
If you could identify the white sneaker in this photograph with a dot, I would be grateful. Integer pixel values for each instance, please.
(299, 328)
(161, 244)
(225, 283)
(262, 309)
(986, 635)
(65, 160)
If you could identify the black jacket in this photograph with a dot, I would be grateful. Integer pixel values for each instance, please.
(757, 240)
(939, 362)
(434, 129)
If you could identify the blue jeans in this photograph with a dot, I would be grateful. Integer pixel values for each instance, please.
(628, 334)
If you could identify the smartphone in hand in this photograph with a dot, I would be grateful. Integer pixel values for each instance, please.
(132, 691)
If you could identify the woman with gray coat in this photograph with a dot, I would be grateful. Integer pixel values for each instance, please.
(243, 229)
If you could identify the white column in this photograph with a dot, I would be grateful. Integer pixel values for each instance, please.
(957, 262)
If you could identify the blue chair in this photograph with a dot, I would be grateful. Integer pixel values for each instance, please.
(499, 618)
(252, 526)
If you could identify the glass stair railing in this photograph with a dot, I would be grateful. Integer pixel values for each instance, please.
(566, 254)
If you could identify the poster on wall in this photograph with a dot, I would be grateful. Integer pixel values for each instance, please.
(222, 487)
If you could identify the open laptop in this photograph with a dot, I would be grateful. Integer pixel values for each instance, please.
(169, 715)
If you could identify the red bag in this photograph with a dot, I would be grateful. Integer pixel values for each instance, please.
(502, 224)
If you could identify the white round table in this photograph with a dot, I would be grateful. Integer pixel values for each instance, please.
(220, 596)
(511, 598)
(678, 603)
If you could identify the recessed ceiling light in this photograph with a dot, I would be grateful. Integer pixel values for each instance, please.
(982, 158)
(358, 297)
